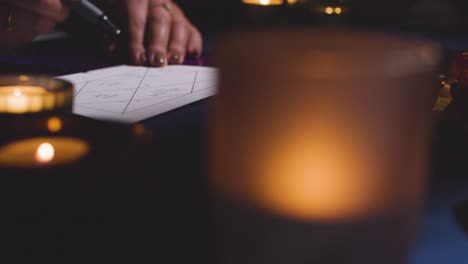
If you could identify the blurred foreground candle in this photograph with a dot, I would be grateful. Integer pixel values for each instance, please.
(320, 147)
(25, 94)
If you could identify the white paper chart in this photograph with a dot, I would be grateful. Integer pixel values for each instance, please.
(133, 93)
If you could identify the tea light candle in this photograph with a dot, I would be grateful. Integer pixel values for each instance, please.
(42, 151)
(263, 2)
(265, 13)
(21, 99)
(32, 94)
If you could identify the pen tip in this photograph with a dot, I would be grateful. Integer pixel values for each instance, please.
(105, 23)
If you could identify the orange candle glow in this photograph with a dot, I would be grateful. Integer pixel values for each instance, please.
(320, 145)
(32, 94)
(308, 134)
(263, 2)
(42, 151)
(21, 99)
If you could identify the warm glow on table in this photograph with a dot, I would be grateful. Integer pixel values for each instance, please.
(42, 151)
(263, 2)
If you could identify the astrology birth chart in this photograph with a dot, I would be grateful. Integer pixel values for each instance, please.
(133, 93)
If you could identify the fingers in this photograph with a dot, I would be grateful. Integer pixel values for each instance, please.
(195, 43)
(159, 30)
(52, 9)
(25, 24)
(137, 12)
(171, 36)
(158, 33)
(178, 43)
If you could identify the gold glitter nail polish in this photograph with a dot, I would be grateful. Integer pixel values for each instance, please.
(175, 58)
(161, 61)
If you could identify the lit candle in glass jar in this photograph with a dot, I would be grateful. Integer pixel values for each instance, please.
(265, 13)
(263, 2)
(43, 151)
(21, 99)
(32, 94)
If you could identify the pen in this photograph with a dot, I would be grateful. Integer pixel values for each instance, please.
(92, 14)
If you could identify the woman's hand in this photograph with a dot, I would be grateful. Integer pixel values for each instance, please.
(22, 20)
(158, 32)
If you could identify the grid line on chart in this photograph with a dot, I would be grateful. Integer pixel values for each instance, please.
(81, 89)
(168, 100)
(123, 101)
(194, 81)
(136, 90)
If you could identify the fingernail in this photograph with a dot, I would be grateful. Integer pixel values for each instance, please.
(139, 58)
(176, 59)
(159, 60)
(142, 58)
(135, 58)
(195, 54)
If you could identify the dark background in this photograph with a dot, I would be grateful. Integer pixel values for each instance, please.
(446, 21)
(425, 15)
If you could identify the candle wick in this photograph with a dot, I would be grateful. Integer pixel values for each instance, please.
(17, 92)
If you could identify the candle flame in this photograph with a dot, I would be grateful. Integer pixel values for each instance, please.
(329, 10)
(263, 2)
(17, 92)
(45, 153)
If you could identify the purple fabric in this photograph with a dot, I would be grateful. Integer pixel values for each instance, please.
(63, 56)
